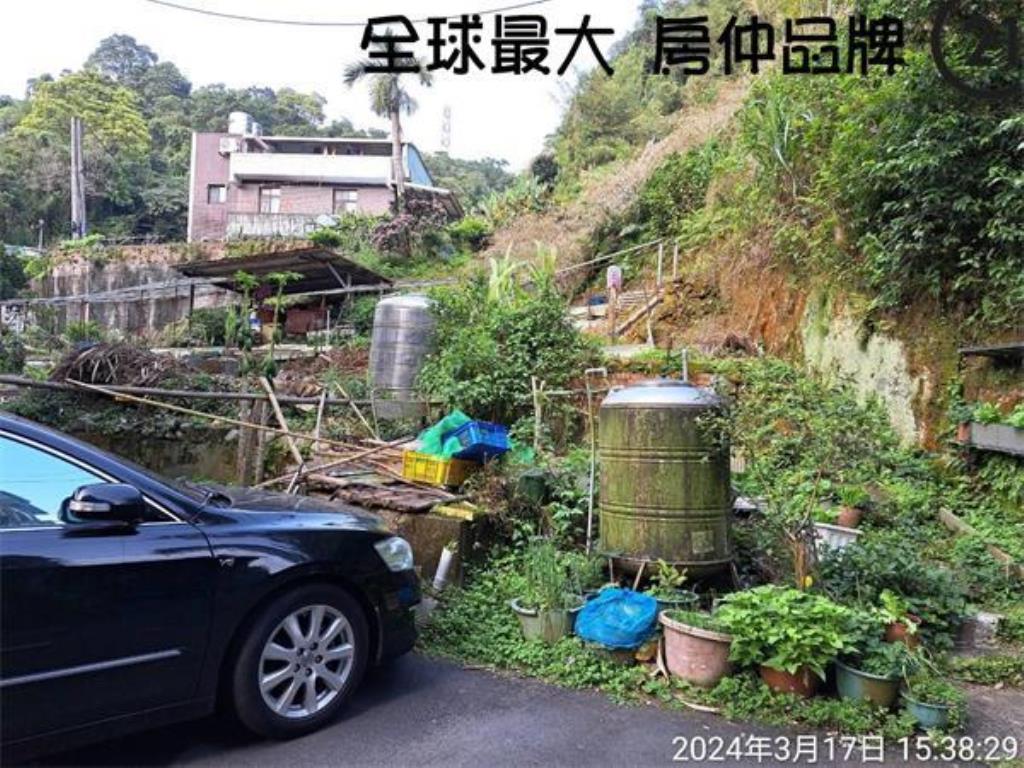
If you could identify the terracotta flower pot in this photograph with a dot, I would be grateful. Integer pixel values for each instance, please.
(849, 517)
(803, 683)
(697, 655)
(897, 632)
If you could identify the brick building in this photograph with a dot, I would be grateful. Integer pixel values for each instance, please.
(244, 184)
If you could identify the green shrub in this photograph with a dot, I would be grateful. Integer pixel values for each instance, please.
(745, 697)
(327, 237)
(990, 669)
(12, 274)
(208, 325)
(860, 573)
(676, 188)
(360, 313)
(471, 231)
(350, 232)
(786, 629)
(489, 345)
(83, 330)
(548, 580)
(12, 352)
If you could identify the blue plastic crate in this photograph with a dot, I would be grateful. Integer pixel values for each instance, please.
(480, 440)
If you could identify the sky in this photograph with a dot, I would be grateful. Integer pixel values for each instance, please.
(500, 116)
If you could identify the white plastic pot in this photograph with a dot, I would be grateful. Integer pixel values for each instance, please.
(834, 536)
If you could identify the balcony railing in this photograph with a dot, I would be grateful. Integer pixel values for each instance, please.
(271, 224)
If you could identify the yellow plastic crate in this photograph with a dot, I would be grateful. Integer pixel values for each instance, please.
(424, 468)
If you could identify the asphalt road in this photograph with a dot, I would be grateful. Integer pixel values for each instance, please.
(425, 712)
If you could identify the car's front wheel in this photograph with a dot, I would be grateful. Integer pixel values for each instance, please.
(303, 657)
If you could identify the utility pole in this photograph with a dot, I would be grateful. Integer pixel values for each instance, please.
(78, 222)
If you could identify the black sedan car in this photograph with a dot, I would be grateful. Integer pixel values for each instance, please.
(130, 601)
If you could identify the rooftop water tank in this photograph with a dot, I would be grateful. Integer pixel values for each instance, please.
(665, 490)
(403, 335)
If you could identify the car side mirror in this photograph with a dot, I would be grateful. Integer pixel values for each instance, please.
(107, 503)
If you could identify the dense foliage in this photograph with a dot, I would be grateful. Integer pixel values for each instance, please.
(805, 442)
(609, 118)
(785, 628)
(470, 180)
(492, 337)
(885, 184)
(476, 625)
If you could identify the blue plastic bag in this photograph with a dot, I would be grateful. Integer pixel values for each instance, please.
(618, 618)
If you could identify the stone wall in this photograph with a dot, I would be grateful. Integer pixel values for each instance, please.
(145, 271)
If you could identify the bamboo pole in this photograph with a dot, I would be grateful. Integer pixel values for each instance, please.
(185, 394)
(359, 413)
(339, 462)
(319, 418)
(281, 422)
(202, 414)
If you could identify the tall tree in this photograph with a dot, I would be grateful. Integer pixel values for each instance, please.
(389, 98)
(122, 59)
(116, 144)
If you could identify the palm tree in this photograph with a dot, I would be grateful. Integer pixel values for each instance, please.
(389, 98)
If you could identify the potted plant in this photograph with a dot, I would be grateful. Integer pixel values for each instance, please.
(834, 536)
(900, 624)
(547, 608)
(874, 673)
(853, 500)
(696, 646)
(789, 634)
(665, 588)
(933, 703)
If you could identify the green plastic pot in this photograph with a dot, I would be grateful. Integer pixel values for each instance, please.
(550, 625)
(532, 487)
(928, 716)
(857, 685)
(682, 599)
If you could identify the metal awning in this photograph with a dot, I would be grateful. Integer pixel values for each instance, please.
(321, 268)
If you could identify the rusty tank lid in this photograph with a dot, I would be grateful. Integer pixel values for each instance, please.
(662, 393)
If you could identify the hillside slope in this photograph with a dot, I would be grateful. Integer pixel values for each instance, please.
(611, 189)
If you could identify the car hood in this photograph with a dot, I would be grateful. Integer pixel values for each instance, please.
(300, 509)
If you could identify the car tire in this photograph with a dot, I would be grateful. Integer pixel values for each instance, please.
(288, 648)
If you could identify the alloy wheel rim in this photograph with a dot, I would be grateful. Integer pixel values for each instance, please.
(306, 661)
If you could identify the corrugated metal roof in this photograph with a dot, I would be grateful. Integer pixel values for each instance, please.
(321, 269)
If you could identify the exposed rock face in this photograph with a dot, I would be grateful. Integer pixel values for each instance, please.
(876, 365)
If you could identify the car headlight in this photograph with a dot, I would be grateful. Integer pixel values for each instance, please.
(395, 552)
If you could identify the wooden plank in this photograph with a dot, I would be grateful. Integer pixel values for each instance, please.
(963, 528)
(630, 321)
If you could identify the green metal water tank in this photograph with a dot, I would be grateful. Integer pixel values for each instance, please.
(665, 491)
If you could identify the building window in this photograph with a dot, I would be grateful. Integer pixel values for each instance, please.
(216, 193)
(270, 199)
(346, 201)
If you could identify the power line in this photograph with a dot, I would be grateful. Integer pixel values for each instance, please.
(300, 23)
